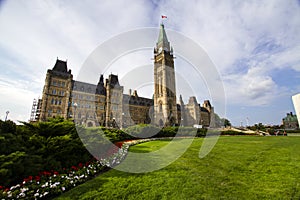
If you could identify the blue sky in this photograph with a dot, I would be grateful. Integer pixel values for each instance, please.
(255, 46)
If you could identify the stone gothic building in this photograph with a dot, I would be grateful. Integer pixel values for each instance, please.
(105, 104)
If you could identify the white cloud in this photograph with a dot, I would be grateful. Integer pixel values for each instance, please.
(252, 88)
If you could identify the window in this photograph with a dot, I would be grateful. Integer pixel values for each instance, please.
(160, 107)
(49, 113)
(54, 91)
(52, 101)
(170, 106)
(63, 84)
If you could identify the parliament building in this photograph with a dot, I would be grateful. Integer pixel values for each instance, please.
(105, 104)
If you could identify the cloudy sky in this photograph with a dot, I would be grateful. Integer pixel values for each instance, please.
(254, 45)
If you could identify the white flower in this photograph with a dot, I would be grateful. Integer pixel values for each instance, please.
(63, 188)
(45, 193)
(22, 194)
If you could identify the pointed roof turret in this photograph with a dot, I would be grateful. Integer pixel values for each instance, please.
(162, 39)
(60, 66)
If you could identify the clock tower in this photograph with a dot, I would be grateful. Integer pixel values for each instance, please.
(165, 106)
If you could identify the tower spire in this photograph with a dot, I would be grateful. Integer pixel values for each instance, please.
(162, 39)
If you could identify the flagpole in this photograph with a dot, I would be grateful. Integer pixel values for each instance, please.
(162, 18)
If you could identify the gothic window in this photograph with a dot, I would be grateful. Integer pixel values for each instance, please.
(160, 107)
(54, 91)
(49, 113)
(63, 84)
(52, 101)
(170, 105)
(161, 123)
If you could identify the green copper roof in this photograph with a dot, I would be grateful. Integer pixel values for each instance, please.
(162, 38)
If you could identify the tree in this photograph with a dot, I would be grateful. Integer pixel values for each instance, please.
(226, 122)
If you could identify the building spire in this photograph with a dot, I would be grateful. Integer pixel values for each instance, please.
(162, 39)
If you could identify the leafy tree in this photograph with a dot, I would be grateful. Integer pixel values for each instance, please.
(226, 122)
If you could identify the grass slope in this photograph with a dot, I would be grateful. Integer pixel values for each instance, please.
(237, 168)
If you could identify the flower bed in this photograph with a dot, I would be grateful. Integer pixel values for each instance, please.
(49, 184)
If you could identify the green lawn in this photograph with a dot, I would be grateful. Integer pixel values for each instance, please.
(239, 167)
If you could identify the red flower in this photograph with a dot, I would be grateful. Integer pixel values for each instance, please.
(37, 178)
(1, 187)
(56, 173)
(74, 168)
(80, 165)
(119, 144)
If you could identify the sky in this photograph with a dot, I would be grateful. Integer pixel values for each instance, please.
(254, 45)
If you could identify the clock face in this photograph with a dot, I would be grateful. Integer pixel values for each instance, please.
(160, 49)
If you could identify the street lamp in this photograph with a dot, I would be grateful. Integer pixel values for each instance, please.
(122, 123)
(7, 112)
(114, 122)
(75, 106)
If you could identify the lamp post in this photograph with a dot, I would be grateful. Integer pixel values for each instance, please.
(75, 106)
(7, 112)
(122, 123)
(114, 121)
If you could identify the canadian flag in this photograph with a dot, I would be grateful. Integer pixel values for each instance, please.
(163, 16)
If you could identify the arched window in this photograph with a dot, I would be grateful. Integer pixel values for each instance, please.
(49, 113)
(161, 123)
(170, 105)
(159, 106)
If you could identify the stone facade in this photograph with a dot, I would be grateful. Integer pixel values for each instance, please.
(165, 105)
(290, 121)
(105, 104)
